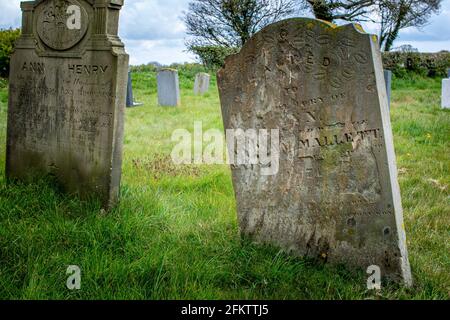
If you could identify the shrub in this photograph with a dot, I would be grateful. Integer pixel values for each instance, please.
(7, 39)
(213, 57)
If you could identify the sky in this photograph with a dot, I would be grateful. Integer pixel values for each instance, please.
(152, 30)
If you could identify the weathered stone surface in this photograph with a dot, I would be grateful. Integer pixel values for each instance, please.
(67, 97)
(201, 85)
(168, 88)
(388, 80)
(445, 93)
(336, 195)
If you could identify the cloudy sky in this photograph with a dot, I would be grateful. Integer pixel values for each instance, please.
(153, 31)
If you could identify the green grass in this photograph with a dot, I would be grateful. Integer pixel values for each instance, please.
(175, 235)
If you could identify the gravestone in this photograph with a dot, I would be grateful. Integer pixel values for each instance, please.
(201, 85)
(168, 88)
(130, 98)
(67, 97)
(448, 73)
(335, 195)
(445, 93)
(388, 80)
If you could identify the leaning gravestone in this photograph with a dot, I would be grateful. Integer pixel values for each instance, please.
(67, 96)
(335, 196)
(445, 93)
(168, 88)
(388, 80)
(201, 85)
(130, 98)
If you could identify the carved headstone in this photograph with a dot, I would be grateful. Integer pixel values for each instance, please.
(67, 97)
(388, 80)
(168, 88)
(201, 85)
(335, 196)
(445, 93)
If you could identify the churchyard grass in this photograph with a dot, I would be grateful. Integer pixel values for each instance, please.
(175, 234)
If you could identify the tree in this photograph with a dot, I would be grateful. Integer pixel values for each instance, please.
(391, 15)
(396, 15)
(348, 10)
(230, 23)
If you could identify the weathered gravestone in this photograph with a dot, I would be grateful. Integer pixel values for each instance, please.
(201, 85)
(388, 80)
(67, 96)
(448, 73)
(168, 88)
(130, 97)
(335, 196)
(445, 93)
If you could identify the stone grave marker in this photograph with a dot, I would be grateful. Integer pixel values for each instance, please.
(335, 195)
(67, 97)
(448, 73)
(388, 80)
(201, 85)
(168, 88)
(445, 93)
(130, 99)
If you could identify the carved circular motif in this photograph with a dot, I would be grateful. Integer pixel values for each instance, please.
(61, 24)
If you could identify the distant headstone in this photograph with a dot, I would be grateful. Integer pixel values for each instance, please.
(67, 97)
(388, 80)
(445, 93)
(335, 196)
(130, 98)
(201, 85)
(448, 73)
(168, 88)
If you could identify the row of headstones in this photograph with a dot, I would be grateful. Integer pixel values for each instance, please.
(445, 101)
(169, 88)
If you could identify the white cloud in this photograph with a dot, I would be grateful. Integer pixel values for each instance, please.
(153, 31)
(10, 14)
(162, 51)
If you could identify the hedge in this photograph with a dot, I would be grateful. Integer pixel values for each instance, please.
(424, 64)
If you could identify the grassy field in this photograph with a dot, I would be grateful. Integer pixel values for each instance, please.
(175, 235)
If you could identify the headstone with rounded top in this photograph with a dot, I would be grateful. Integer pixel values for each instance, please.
(334, 194)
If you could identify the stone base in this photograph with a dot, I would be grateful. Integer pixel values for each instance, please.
(135, 104)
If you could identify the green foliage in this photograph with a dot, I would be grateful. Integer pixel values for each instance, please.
(175, 235)
(7, 39)
(423, 64)
(213, 57)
